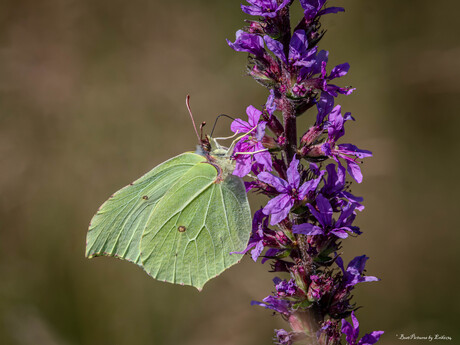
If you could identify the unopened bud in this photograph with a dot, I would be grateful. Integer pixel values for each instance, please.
(298, 273)
(281, 266)
(282, 140)
(311, 136)
(318, 288)
(269, 143)
(282, 238)
(255, 27)
(314, 152)
(299, 90)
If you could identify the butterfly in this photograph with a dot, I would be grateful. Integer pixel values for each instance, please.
(180, 221)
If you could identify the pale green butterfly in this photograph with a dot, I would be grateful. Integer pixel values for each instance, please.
(180, 221)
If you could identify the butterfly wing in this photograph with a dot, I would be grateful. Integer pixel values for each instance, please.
(117, 227)
(195, 226)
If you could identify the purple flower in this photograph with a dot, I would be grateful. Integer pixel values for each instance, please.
(250, 143)
(335, 181)
(284, 288)
(350, 153)
(324, 106)
(352, 331)
(250, 43)
(354, 273)
(278, 303)
(271, 302)
(290, 191)
(334, 188)
(318, 287)
(312, 8)
(270, 105)
(321, 59)
(330, 330)
(271, 253)
(283, 337)
(299, 54)
(323, 214)
(321, 82)
(264, 8)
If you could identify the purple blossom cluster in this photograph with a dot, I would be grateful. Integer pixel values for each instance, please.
(311, 208)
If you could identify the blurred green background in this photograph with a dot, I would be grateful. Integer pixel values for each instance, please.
(92, 96)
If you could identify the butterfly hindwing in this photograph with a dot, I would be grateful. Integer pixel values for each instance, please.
(117, 227)
(195, 226)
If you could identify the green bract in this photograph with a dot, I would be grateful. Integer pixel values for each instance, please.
(179, 222)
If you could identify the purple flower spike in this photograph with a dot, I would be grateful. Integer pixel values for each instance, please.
(352, 331)
(246, 42)
(250, 143)
(264, 8)
(290, 191)
(353, 274)
(313, 199)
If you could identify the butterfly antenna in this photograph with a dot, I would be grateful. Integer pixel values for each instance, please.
(228, 116)
(187, 102)
(217, 118)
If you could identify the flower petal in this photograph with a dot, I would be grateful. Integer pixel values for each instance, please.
(340, 233)
(240, 126)
(278, 204)
(331, 10)
(348, 330)
(255, 253)
(278, 183)
(298, 45)
(246, 42)
(339, 71)
(324, 212)
(293, 175)
(276, 48)
(253, 116)
(370, 339)
(354, 171)
(307, 229)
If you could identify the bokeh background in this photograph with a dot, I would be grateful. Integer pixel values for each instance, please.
(92, 96)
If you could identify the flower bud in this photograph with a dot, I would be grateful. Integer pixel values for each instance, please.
(311, 136)
(282, 238)
(261, 75)
(314, 152)
(280, 266)
(255, 27)
(269, 143)
(298, 273)
(298, 90)
(281, 140)
(319, 286)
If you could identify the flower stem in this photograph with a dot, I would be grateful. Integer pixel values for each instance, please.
(290, 128)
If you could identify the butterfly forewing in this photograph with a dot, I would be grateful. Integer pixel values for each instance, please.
(117, 227)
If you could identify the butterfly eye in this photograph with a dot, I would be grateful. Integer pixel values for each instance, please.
(181, 228)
